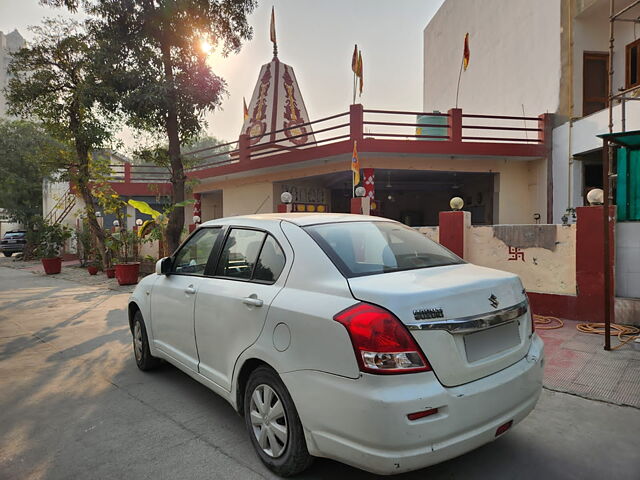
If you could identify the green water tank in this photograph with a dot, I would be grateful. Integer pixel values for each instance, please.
(436, 131)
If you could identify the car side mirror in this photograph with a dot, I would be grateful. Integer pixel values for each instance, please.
(163, 266)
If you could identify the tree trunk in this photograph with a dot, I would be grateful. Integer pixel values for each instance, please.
(82, 184)
(176, 217)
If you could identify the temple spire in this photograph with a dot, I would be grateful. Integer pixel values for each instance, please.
(272, 33)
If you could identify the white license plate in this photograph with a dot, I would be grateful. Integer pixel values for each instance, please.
(479, 345)
(12, 241)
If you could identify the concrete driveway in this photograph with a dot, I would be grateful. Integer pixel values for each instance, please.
(74, 405)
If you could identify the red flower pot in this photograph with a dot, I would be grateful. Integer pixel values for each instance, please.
(111, 272)
(52, 265)
(127, 273)
(92, 269)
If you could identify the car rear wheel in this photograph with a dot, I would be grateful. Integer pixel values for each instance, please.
(144, 359)
(7, 254)
(273, 424)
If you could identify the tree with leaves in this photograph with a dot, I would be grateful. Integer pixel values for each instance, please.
(152, 54)
(27, 156)
(54, 81)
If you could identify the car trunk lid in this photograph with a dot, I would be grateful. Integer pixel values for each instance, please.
(470, 321)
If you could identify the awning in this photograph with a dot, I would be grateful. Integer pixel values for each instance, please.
(624, 139)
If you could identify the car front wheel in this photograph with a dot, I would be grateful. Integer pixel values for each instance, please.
(273, 424)
(7, 254)
(144, 360)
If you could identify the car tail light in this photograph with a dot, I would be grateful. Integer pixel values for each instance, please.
(422, 414)
(503, 428)
(381, 342)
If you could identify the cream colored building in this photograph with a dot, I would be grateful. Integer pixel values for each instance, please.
(411, 163)
(9, 43)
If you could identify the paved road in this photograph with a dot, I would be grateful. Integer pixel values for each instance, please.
(73, 405)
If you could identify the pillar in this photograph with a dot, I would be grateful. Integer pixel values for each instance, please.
(454, 227)
(361, 205)
(589, 262)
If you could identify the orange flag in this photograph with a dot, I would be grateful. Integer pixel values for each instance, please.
(245, 110)
(360, 71)
(466, 54)
(355, 165)
(354, 60)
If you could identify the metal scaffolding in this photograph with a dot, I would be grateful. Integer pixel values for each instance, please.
(608, 176)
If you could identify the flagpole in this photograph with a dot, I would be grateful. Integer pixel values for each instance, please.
(459, 77)
(355, 81)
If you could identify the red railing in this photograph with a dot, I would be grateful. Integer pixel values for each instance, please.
(397, 126)
(331, 130)
(460, 130)
(517, 127)
(221, 154)
(129, 173)
(371, 124)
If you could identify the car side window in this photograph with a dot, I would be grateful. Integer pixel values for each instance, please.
(193, 256)
(239, 253)
(270, 262)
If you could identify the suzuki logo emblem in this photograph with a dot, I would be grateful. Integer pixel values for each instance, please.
(493, 300)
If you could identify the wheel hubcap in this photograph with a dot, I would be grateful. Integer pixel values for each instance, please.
(137, 341)
(268, 421)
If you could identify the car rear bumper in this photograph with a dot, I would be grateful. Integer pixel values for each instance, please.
(364, 422)
(12, 247)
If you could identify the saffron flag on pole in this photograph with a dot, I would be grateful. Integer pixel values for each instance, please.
(245, 109)
(354, 60)
(466, 54)
(355, 165)
(360, 71)
(272, 30)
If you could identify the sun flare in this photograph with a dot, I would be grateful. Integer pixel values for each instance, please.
(205, 46)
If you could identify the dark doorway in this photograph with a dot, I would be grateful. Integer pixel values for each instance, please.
(416, 198)
(594, 82)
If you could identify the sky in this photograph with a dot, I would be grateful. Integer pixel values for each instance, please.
(316, 38)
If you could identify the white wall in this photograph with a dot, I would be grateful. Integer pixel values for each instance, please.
(247, 199)
(514, 56)
(628, 259)
(591, 34)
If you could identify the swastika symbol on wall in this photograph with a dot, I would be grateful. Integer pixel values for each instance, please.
(515, 254)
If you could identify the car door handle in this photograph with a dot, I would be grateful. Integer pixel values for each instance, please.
(253, 301)
(190, 290)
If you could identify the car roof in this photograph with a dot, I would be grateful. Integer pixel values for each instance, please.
(301, 219)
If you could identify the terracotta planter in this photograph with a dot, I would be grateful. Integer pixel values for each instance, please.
(111, 272)
(92, 269)
(52, 265)
(127, 273)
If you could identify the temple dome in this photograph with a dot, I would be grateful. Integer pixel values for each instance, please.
(277, 104)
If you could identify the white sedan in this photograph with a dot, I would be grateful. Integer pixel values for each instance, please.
(343, 336)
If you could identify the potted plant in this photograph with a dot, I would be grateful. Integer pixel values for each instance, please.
(52, 239)
(112, 246)
(93, 266)
(127, 269)
(156, 227)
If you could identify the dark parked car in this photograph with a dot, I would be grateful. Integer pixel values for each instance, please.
(13, 242)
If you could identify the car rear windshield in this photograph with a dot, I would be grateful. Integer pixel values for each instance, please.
(9, 235)
(367, 248)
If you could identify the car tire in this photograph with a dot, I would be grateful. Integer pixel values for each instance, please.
(267, 425)
(141, 352)
(7, 254)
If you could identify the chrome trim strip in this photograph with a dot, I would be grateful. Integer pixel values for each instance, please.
(475, 323)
